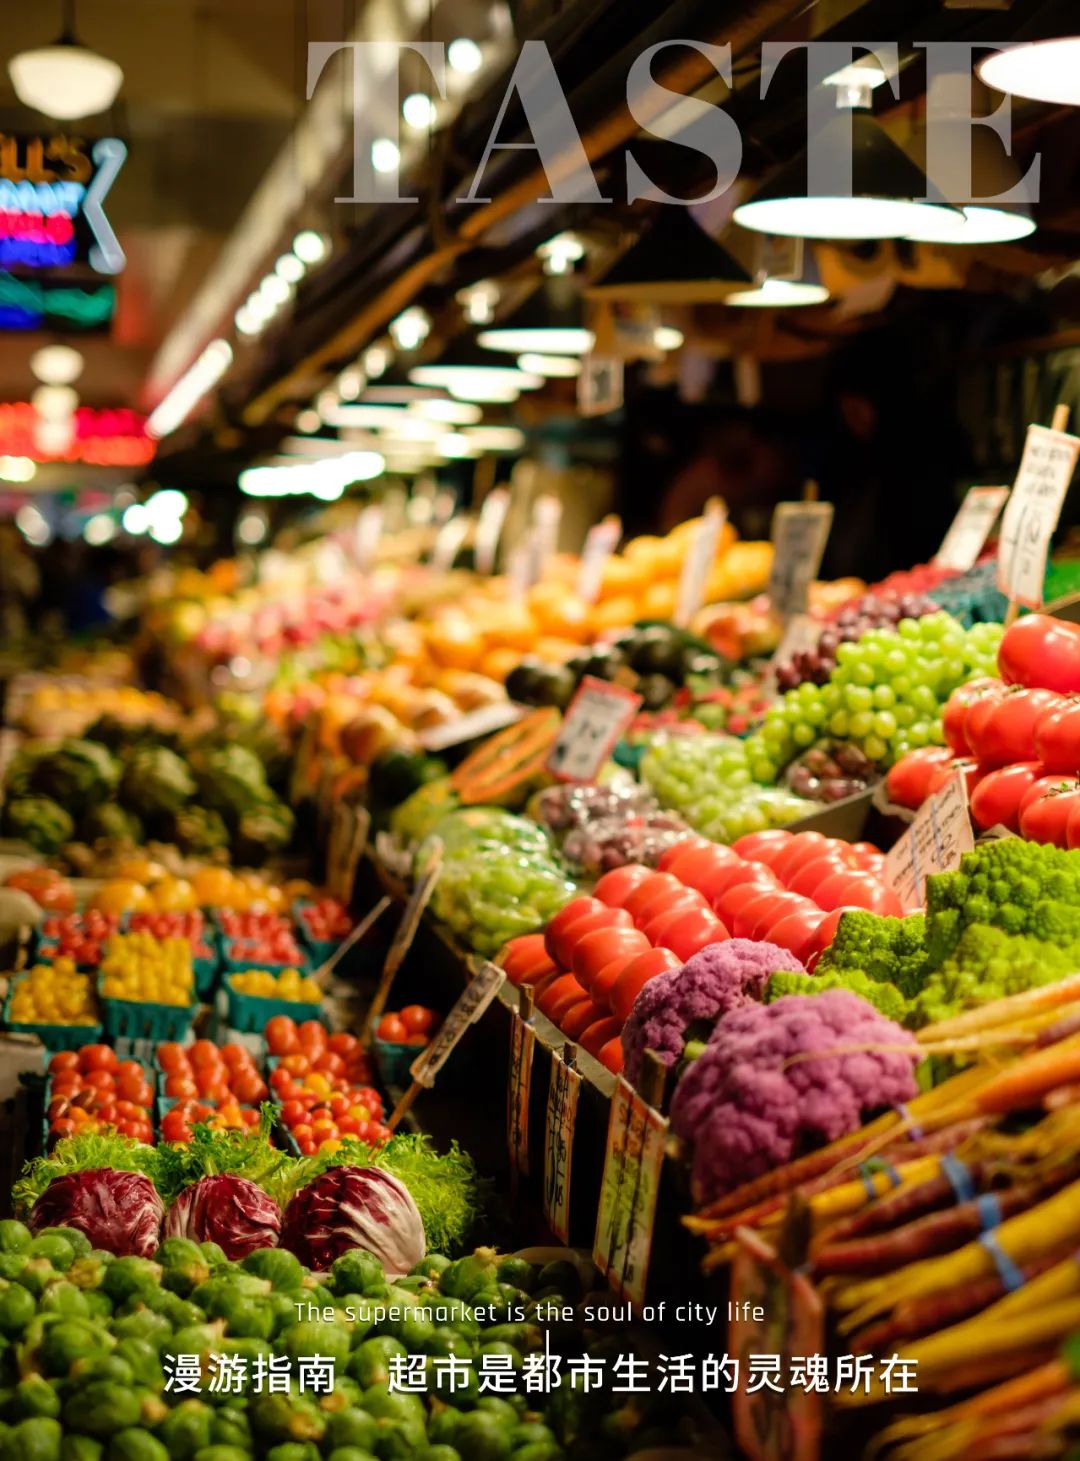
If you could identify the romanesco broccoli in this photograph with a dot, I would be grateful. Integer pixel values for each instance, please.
(1019, 887)
(886, 950)
(988, 963)
(885, 997)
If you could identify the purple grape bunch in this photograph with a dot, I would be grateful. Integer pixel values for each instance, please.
(872, 611)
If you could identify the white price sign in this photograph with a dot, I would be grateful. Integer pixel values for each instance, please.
(562, 1104)
(600, 542)
(449, 540)
(800, 531)
(470, 1006)
(972, 525)
(594, 721)
(1046, 469)
(934, 843)
(699, 560)
(489, 528)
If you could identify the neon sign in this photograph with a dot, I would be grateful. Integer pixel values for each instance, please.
(31, 304)
(52, 196)
(100, 438)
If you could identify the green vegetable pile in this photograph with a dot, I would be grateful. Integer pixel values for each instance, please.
(885, 997)
(92, 1349)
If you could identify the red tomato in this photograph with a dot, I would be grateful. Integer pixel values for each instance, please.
(798, 932)
(812, 874)
(676, 849)
(1057, 738)
(716, 888)
(662, 914)
(763, 847)
(598, 1034)
(524, 956)
(802, 848)
(1072, 831)
(342, 1043)
(955, 716)
(563, 932)
(611, 1055)
(857, 890)
(579, 1017)
(783, 906)
(730, 903)
(559, 996)
(248, 1087)
(692, 931)
(280, 1035)
(996, 800)
(98, 1057)
(614, 887)
(636, 975)
(175, 1125)
(64, 1060)
(1006, 731)
(1046, 818)
(750, 910)
(391, 1028)
(696, 863)
(908, 782)
(597, 949)
(1041, 787)
(649, 890)
(63, 1127)
(418, 1019)
(1039, 650)
(101, 1080)
(204, 1052)
(313, 1036)
(233, 1054)
(172, 1056)
(136, 1089)
(293, 1112)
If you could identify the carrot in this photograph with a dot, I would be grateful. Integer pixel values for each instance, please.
(1004, 1011)
(903, 1204)
(980, 1339)
(1030, 1077)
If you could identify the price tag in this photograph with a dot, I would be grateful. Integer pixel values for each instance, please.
(699, 561)
(368, 533)
(600, 385)
(471, 1005)
(480, 722)
(562, 1103)
(1046, 469)
(800, 531)
(600, 542)
(629, 1191)
(774, 1312)
(546, 517)
(521, 566)
(934, 843)
(594, 721)
(522, 1049)
(970, 528)
(489, 528)
(448, 542)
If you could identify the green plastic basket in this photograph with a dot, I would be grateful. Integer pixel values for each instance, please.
(392, 1061)
(249, 1013)
(137, 1019)
(53, 1037)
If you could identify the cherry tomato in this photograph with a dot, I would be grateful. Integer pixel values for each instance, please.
(172, 1056)
(346, 1045)
(101, 1080)
(391, 1028)
(996, 800)
(331, 1064)
(281, 1036)
(313, 1035)
(64, 1060)
(98, 1057)
(1039, 650)
(418, 1019)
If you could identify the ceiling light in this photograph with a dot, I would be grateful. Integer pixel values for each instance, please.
(65, 80)
(350, 383)
(561, 253)
(667, 337)
(17, 469)
(257, 308)
(479, 301)
(398, 395)
(252, 527)
(308, 420)
(778, 293)
(247, 321)
(450, 413)
(495, 438)
(54, 403)
(166, 530)
(477, 382)
(1047, 70)
(290, 268)
(362, 416)
(974, 224)
(886, 189)
(554, 366)
(135, 520)
(199, 378)
(385, 155)
(418, 111)
(56, 365)
(100, 529)
(553, 341)
(464, 56)
(31, 522)
(167, 502)
(274, 290)
(310, 247)
(376, 361)
(410, 329)
(54, 438)
(675, 262)
(456, 447)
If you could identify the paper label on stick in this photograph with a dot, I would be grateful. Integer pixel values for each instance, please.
(594, 721)
(698, 563)
(519, 1085)
(600, 542)
(562, 1102)
(934, 843)
(779, 1314)
(972, 525)
(471, 1004)
(800, 531)
(489, 528)
(419, 899)
(1032, 513)
(629, 1190)
(480, 722)
(448, 542)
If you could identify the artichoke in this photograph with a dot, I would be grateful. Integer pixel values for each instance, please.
(111, 822)
(78, 774)
(232, 780)
(156, 781)
(267, 829)
(199, 830)
(40, 821)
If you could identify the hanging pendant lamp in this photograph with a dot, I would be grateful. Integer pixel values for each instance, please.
(65, 80)
(675, 262)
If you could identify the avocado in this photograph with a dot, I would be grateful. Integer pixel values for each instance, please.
(657, 650)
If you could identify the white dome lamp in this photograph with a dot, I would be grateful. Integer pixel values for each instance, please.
(65, 80)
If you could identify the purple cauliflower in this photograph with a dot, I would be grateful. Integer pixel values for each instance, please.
(717, 979)
(777, 1077)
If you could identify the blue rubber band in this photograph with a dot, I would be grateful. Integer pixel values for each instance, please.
(869, 1169)
(915, 1132)
(989, 1209)
(959, 1177)
(1007, 1270)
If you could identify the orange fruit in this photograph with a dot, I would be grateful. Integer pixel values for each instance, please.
(121, 895)
(497, 663)
(174, 895)
(616, 613)
(454, 644)
(213, 886)
(659, 599)
(621, 576)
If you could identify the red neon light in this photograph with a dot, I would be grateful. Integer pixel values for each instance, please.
(108, 438)
(55, 228)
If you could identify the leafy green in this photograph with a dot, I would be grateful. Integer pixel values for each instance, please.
(211, 1153)
(82, 1153)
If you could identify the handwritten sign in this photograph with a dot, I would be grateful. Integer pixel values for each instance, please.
(562, 1102)
(629, 1190)
(934, 843)
(489, 528)
(699, 560)
(800, 531)
(594, 721)
(1032, 513)
(448, 543)
(471, 1004)
(970, 528)
(480, 722)
(774, 1312)
(600, 542)
(522, 1049)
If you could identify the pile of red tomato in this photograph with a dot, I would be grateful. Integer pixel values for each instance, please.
(599, 951)
(260, 939)
(327, 920)
(216, 1084)
(92, 1090)
(321, 1083)
(80, 937)
(413, 1025)
(1016, 739)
